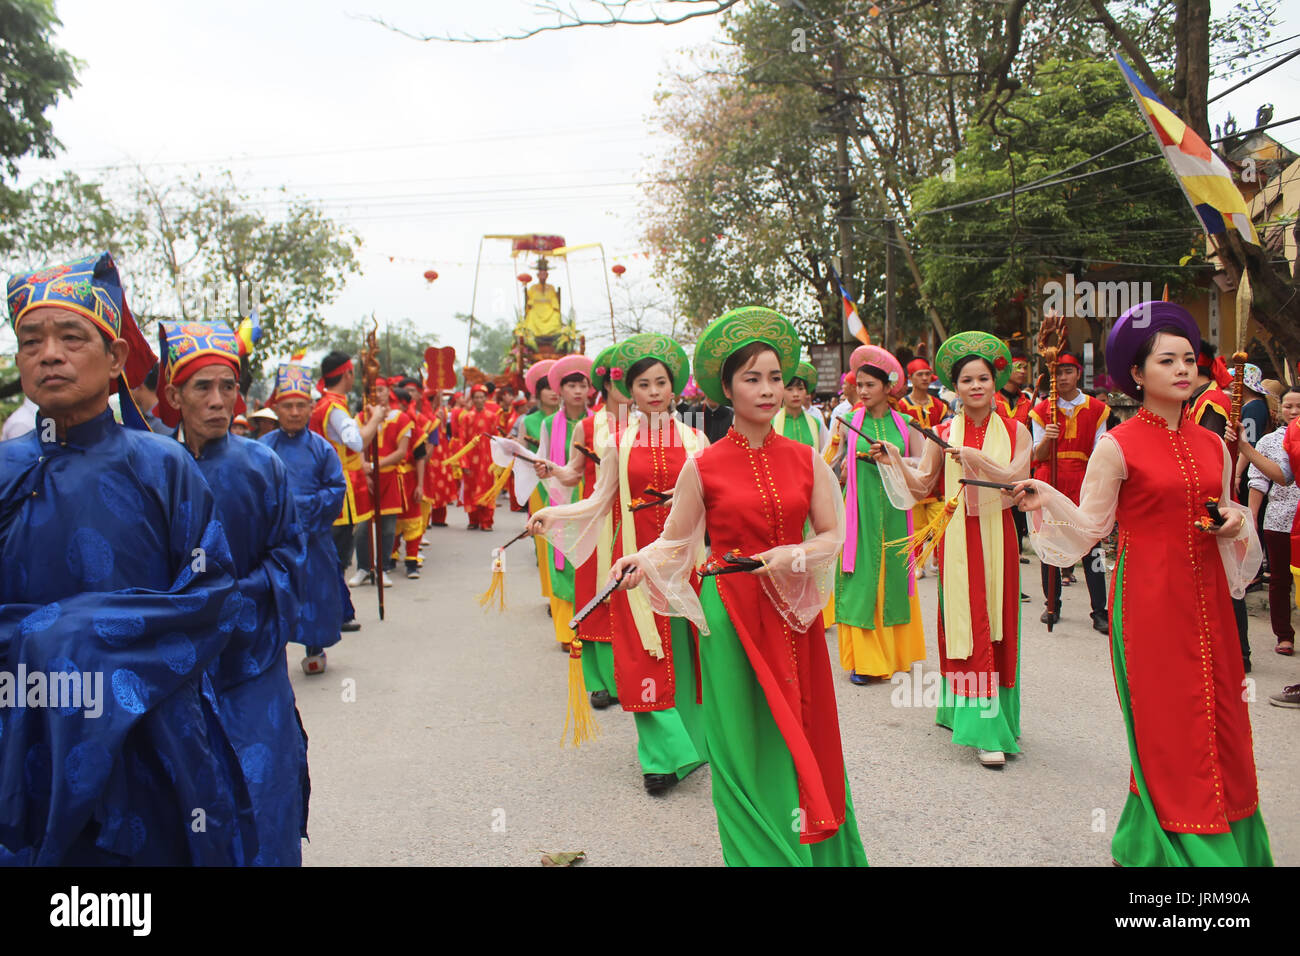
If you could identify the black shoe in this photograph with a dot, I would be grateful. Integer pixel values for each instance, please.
(1100, 622)
(1055, 618)
(1023, 559)
(600, 699)
(438, 524)
(351, 625)
(1245, 661)
(473, 526)
(657, 783)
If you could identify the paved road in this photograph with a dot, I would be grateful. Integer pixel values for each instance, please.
(435, 739)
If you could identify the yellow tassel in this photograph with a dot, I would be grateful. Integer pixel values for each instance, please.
(452, 459)
(489, 496)
(919, 545)
(580, 715)
(832, 449)
(498, 587)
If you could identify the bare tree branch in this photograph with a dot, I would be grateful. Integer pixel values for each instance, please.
(616, 14)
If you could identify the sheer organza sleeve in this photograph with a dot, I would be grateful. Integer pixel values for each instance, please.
(979, 466)
(908, 480)
(667, 562)
(1062, 532)
(575, 528)
(799, 578)
(1241, 554)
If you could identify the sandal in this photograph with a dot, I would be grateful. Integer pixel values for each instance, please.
(1285, 648)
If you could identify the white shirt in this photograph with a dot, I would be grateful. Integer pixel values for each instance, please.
(1080, 399)
(1282, 499)
(341, 428)
(22, 421)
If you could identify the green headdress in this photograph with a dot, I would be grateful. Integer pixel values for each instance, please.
(736, 329)
(645, 345)
(808, 373)
(600, 367)
(988, 347)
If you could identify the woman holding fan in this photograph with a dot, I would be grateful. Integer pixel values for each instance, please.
(779, 787)
(979, 558)
(878, 612)
(654, 654)
(1185, 550)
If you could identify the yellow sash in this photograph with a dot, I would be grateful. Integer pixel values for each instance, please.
(956, 581)
(642, 613)
(604, 543)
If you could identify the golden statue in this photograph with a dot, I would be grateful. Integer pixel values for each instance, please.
(543, 323)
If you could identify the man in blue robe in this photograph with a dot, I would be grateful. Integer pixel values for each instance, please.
(117, 592)
(316, 479)
(199, 388)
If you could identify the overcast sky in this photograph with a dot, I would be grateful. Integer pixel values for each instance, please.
(422, 148)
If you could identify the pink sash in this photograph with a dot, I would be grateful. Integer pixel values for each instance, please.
(848, 558)
(559, 454)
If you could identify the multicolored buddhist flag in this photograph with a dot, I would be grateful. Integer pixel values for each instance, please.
(249, 331)
(851, 317)
(1204, 178)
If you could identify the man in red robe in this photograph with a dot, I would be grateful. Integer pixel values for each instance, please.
(477, 424)
(1080, 421)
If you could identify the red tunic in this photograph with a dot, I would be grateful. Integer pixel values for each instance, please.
(1291, 445)
(991, 663)
(1078, 436)
(930, 417)
(656, 466)
(357, 504)
(756, 499)
(391, 489)
(476, 466)
(1181, 650)
(439, 486)
(1024, 404)
(407, 471)
(597, 625)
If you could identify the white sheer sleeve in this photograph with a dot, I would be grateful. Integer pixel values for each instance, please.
(977, 465)
(575, 528)
(667, 562)
(1241, 554)
(799, 579)
(1062, 532)
(908, 480)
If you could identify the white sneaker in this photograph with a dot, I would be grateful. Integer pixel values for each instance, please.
(992, 758)
(920, 573)
(358, 579)
(388, 582)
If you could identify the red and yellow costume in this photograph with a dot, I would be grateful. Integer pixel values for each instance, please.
(357, 503)
(1024, 405)
(478, 426)
(1079, 427)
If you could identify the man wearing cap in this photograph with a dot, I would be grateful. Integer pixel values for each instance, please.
(114, 570)
(198, 389)
(265, 421)
(1081, 420)
(332, 421)
(318, 486)
(919, 403)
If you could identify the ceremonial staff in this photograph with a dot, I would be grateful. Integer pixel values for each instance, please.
(1245, 297)
(370, 372)
(1051, 338)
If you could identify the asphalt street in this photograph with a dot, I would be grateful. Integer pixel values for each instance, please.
(435, 739)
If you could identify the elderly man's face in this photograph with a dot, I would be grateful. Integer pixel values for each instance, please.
(65, 363)
(294, 413)
(207, 401)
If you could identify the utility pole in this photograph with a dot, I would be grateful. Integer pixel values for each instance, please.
(889, 293)
(840, 117)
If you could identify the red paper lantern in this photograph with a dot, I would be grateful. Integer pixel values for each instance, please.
(430, 275)
(618, 269)
(524, 278)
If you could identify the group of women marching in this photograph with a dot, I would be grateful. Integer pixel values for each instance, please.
(731, 558)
